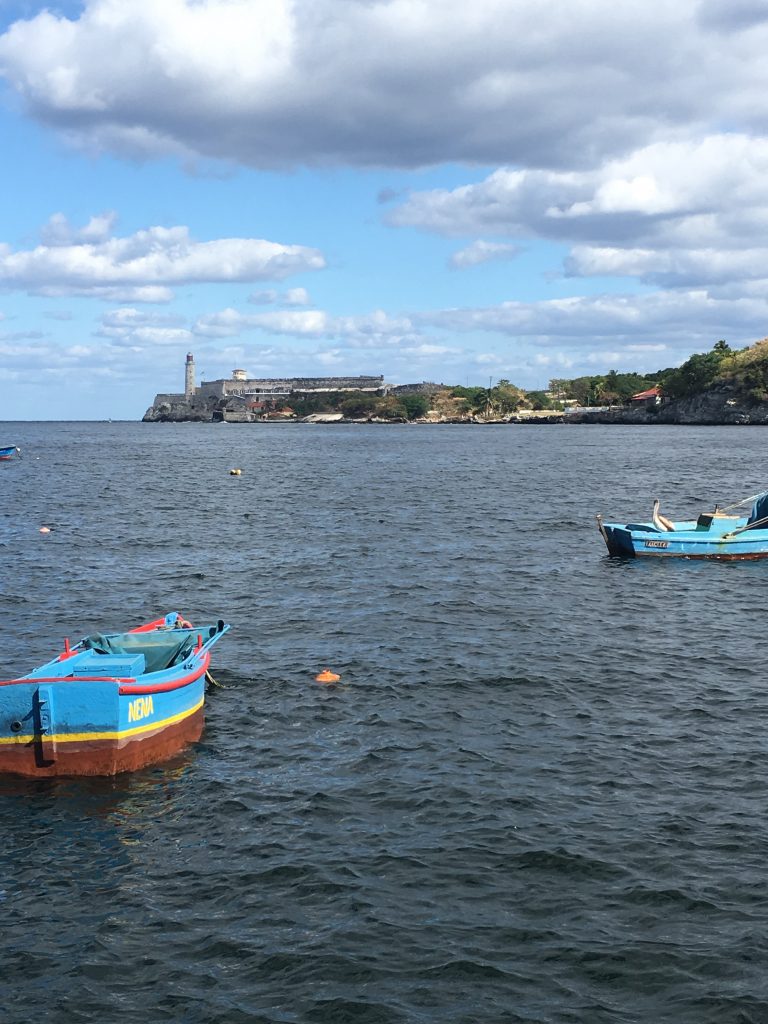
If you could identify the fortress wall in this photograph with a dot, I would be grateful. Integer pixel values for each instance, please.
(281, 387)
(211, 389)
(166, 399)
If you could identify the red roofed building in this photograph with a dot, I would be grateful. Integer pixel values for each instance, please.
(652, 396)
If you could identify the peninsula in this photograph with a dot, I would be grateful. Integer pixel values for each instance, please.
(723, 386)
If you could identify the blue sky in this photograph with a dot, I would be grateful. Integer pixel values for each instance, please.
(428, 190)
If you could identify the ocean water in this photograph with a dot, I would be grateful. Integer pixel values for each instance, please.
(539, 793)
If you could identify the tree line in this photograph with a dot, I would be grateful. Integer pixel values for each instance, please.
(747, 368)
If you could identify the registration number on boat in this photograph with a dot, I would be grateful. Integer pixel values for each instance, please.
(657, 543)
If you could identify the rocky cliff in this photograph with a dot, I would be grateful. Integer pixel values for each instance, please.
(723, 404)
(173, 409)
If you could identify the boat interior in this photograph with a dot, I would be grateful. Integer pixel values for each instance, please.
(124, 655)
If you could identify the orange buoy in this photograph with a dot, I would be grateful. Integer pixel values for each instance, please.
(326, 676)
(45, 529)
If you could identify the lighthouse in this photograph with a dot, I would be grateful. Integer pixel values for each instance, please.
(189, 378)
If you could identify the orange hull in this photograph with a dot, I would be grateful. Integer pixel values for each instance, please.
(102, 757)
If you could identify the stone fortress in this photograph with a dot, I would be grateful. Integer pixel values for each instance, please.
(244, 399)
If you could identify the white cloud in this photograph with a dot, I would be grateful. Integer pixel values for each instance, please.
(264, 297)
(672, 192)
(290, 297)
(635, 331)
(429, 351)
(372, 330)
(296, 297)
(133, 327)
(482, 252)
(58, 230)
(677, 214)
(671, 268)
(128, 317)
(142, 293)
(140, 267)
(332, 357)
(20, 335)
(686, 319)
(392, 82)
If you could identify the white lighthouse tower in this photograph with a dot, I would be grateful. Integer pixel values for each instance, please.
(189, 378)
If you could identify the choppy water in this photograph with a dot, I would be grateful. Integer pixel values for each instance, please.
(539, 796)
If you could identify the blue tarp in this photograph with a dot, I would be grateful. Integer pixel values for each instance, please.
(759, 508)
(161, 650)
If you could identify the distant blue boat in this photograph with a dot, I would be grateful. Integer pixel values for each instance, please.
(717, 535)
(112, 703)
(8, 452)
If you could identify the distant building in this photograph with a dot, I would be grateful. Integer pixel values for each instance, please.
(644, 399)
(277, 389)
(244, 399)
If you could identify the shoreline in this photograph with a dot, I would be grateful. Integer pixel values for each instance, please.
(521, 422)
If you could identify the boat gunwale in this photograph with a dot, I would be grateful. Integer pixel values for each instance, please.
(162, 680)
(127, 684)
(693, 536)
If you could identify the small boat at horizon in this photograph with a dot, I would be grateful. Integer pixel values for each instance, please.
(113, 703)
(8, 452)
(719, 535)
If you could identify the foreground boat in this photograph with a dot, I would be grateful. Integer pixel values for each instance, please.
(112, 703)
(718, 535)
(8, 452)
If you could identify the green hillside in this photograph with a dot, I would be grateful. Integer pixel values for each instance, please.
(745, 370)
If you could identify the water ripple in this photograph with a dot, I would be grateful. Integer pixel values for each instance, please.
(538, 794)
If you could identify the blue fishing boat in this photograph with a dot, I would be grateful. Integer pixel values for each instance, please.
(722, 534)
(112, 703)
(8, 452)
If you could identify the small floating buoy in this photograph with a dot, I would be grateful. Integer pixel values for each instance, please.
(235, 472)
(326, 676)
(45, 529)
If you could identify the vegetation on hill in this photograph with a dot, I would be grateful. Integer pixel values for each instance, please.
(500, 400)
(602, 389)
(697, 373)
(745, 370)
(362, 405)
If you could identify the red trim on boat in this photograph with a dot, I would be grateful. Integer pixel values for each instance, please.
(67, 679)
(131, 686)
(127, 684)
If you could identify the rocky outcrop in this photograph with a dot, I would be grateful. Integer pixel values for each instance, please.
(323, 417)
(723, 405)
(172, 409)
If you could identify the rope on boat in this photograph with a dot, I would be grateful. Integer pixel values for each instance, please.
(209, 678)
(744, 501)
(749, 526)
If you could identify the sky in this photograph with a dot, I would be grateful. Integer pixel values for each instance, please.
(426, 189)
